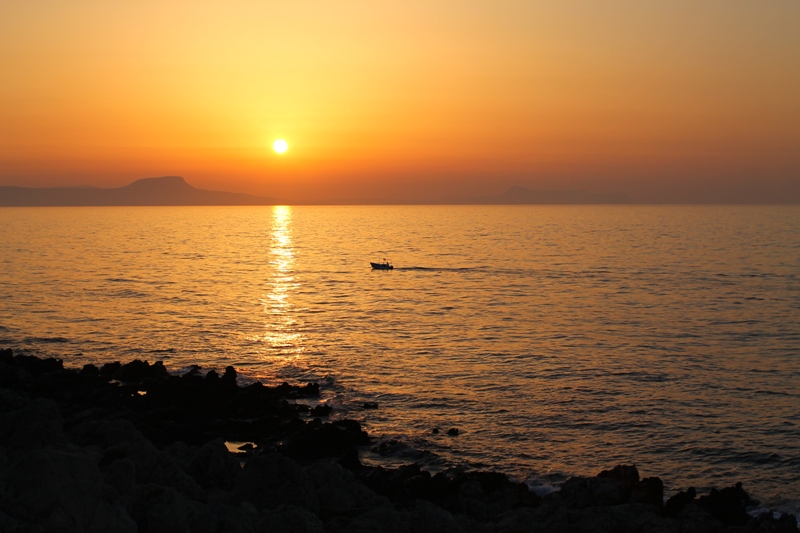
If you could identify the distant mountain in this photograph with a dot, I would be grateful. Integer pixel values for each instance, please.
(167, 190)
(523, 196)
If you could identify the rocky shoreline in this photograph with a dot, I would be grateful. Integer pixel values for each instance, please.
(129, 447)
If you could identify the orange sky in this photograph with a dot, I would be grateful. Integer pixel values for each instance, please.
(670, 100)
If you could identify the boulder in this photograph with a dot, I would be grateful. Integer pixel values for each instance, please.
(90, 371)
(12, 524)
(649, 491)
(575, 492)
(425, 517)
(787, 523)
(64, 489)
(159, 509)
(105, 433)
(37, 424)
(120, 474)
(109, 370)
(213, 467)
(270, 480)
(679, 501)
(290, 519)
(610, 487)
(156, 467)
(332, 439)
(378, 520)
(322, 409)
(338, 491)
(138, 370)
(728, 505)
(627, 475)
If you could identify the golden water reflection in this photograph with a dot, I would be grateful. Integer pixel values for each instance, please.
(281, 334)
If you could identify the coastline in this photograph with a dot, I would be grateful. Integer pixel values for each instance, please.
(129, 447)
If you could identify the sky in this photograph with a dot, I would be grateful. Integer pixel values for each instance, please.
(668, 101)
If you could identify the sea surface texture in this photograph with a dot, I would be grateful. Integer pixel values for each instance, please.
(557, 340)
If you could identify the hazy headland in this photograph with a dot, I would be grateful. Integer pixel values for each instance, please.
(175, 191)
(166, 190)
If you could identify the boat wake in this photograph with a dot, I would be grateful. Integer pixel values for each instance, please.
(440, 269)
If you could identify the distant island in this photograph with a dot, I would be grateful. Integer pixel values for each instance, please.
(175, 191)
(166, 190)
(517, 195)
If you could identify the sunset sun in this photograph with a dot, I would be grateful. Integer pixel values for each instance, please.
(280, 146)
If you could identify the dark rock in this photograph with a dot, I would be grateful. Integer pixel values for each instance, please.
(339, 492)
(575, 492)
(160, 509)
(138, 370)
(90, 371)
(390, 483)
(452, 432)
(381, 519)
(649, 491)
(487, 494)
(106, 433)
(119, 472)
(159, 468)
(290, 519)
(628, 475)
(389, 447)
(694, 518)
(64, 489)
(424, 517)
(109, 370)
(370, 405)
(34, 425)
(321, 410)
(334, 439)
(10, 401)
(582, 492)
(270, 480)
(728, 505)
(90, 451)
(608, 491)
(618, 486)
(489, 481)
(12, 375)
(228, 380)
(309, 390)
(679, 501)
(764, 522)
(350, 460)
(481, 495)
(213, 467)
(35, 366)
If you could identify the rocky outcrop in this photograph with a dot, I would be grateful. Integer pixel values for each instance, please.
(129, 447)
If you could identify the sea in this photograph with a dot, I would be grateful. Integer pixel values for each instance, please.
(557, 340)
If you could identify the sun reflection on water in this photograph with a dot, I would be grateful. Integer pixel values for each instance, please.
(282, 336)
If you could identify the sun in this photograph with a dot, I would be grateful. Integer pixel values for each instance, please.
(280, 146)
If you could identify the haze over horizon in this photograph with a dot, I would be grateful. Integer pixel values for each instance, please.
(665, 102)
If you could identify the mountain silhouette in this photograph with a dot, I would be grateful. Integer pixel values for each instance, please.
(166, 190)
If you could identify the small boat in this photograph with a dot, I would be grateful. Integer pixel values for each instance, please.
(381, 266)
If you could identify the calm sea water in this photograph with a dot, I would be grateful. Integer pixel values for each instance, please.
(558, 340)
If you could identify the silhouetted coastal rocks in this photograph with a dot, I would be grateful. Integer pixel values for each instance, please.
(129, 447)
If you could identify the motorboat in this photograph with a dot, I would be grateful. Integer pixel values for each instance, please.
(381, 266)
